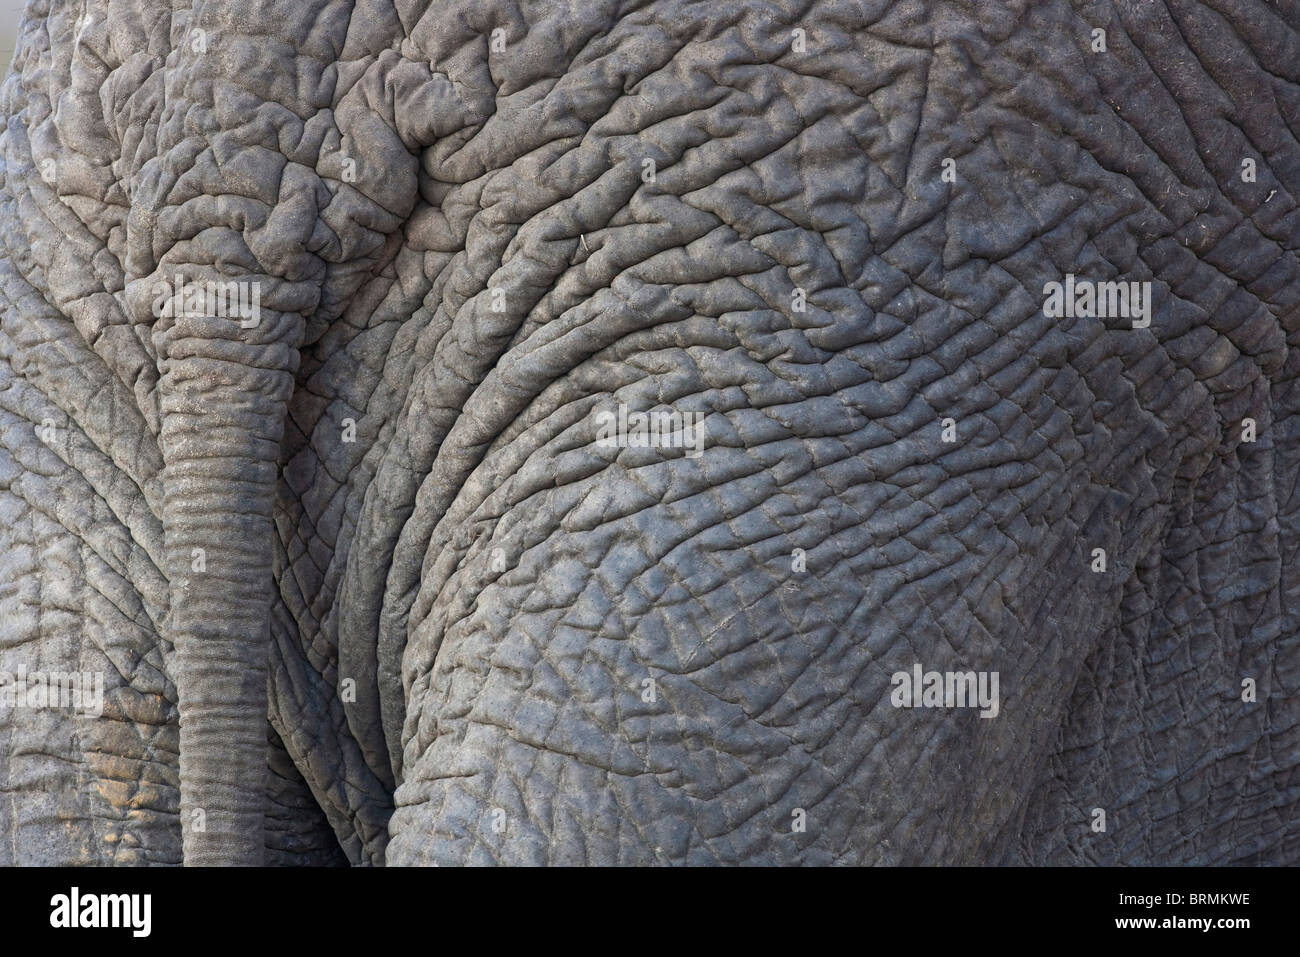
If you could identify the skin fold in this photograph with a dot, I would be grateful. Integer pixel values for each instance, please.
(365, 586)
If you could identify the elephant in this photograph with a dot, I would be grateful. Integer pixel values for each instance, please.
(627, 433)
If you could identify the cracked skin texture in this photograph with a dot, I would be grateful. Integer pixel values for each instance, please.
(459, 607)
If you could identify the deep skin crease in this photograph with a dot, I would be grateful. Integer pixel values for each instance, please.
(436, 621)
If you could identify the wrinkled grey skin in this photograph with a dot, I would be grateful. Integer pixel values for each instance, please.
(450, 613)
